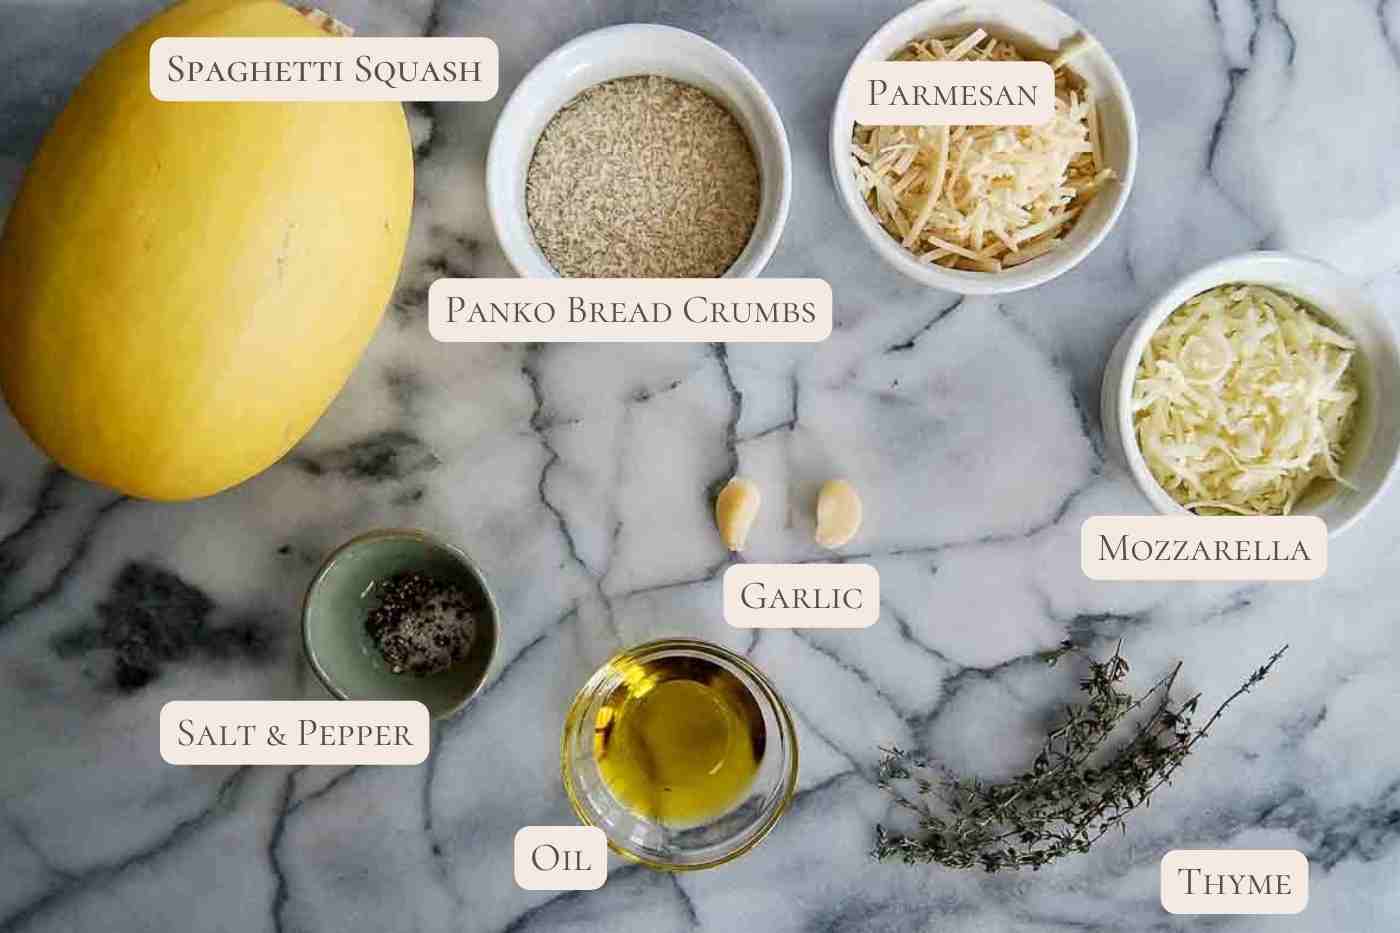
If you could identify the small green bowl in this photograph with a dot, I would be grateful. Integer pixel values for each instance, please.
(341, 652)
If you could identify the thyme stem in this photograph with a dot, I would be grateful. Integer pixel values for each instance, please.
(1064, 802)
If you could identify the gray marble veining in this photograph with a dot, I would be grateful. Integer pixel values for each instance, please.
(578, 477)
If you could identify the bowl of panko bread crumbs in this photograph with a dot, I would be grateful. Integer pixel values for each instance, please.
(639, 151)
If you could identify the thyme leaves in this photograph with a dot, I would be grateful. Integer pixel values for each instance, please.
(1076, 790)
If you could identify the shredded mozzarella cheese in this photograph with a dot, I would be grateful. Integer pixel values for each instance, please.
(1243, 397)
(983, 197)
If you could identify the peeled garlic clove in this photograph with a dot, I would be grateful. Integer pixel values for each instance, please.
(838, 513)
(735, 511)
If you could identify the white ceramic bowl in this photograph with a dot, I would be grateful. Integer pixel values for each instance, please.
(1035, 27)
(1371, 455)
(618, 52)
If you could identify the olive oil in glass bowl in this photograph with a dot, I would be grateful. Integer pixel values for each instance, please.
(681, 752)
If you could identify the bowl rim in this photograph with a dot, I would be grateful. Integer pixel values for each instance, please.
(785, 722)
(1225, 271)
(423, 537)
(765, 237)
(968, 282)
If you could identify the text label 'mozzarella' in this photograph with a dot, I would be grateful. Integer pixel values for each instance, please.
(1192, 547)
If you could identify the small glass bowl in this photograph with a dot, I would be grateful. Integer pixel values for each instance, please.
(693, 847)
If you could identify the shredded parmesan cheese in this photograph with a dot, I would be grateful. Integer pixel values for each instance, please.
(1242, 399)
(983, 197)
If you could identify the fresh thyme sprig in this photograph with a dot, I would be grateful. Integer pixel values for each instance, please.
(1067, 800)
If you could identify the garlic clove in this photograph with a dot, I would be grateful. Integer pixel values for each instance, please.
(736, 507)
(839, 513)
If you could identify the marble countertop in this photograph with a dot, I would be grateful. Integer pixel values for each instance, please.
(578, 476)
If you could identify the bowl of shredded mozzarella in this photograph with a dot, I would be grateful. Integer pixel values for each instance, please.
(990, 209)
(1255, 387)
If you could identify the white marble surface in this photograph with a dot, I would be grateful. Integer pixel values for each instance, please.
(578, 475)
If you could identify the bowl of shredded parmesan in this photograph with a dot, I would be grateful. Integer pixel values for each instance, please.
(990, 209)
(1254, 387)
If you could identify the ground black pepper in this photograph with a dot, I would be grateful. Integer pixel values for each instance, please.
(421, 625)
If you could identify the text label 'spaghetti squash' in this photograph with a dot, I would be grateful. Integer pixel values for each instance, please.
(184, 287)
